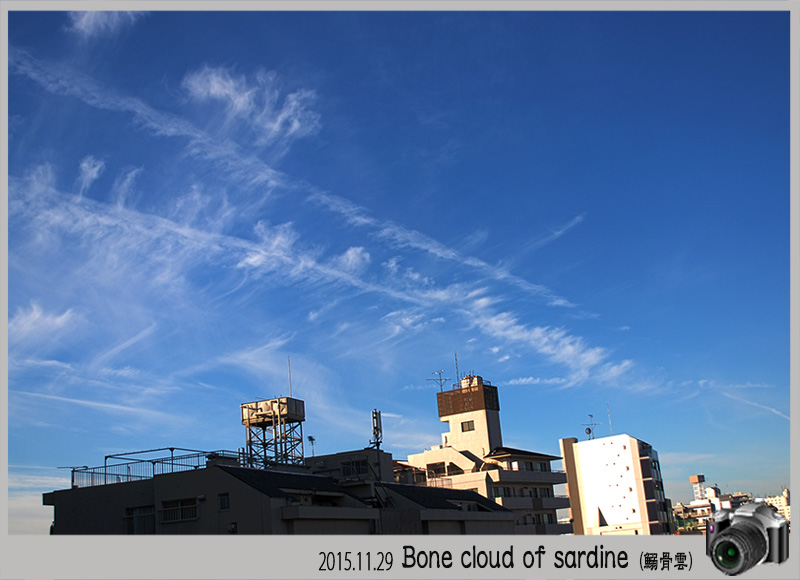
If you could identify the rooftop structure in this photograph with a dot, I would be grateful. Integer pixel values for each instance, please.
(472, 457)
(697, 486)
(274, 431)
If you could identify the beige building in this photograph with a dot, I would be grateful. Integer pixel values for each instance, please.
(707, 500)
(614, 486)
(216, 496)
(472, 457)
(781, 503)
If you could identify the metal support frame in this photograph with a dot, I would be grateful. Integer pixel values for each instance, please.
(274, 441)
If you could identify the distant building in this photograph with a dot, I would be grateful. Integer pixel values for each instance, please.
(472, 457)
(614, 486)
(780, 503)
(707, 500)
(209, 493)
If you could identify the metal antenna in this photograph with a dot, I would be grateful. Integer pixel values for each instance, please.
(377, 429)
(289, 360)
(590, 427)
(458, 377)
(439, 380)
(610, 426)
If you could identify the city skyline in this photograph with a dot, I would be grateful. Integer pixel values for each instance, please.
(590, 209)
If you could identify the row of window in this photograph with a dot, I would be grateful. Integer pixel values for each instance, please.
(508, 491)
(530, 466)
(530, 519)
(141, 520)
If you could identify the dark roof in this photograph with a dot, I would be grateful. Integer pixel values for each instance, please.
(505, 451)
(440, 497)
(273, 483)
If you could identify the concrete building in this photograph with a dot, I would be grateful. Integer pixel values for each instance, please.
(472, 457)
(209, 493)
(707, 500)
(614, 486)
(781, 503)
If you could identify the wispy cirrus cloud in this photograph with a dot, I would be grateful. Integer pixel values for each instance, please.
(355, 259)
(106, 356)
(555, 234)
(124, 184)
(773, 410)
(256, 103)
(90, 170)
(537, 381)
(246, 169)
(139, 412)
(556, 344)
(171, 248)
(32, 327)
(92, 24)
(402, 237)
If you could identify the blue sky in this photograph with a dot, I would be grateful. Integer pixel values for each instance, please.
(591, 209)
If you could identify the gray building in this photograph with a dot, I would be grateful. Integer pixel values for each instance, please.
(209, 493)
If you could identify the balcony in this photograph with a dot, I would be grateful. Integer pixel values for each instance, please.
(534, 503)
(505, 475)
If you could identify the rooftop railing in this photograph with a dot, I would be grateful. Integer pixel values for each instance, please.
(125, 467)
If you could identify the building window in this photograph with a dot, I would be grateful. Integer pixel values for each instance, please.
(178, 510)
(140, 520)
(503, 491)
(355, 468)
(224, 502)
(467, 426)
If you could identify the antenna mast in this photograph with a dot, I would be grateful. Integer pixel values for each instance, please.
(439, 380)
(590, 427)
(458, 376)
(289, 360)
(610, 426)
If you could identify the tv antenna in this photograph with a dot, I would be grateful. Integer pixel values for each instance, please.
(458, 377)
(610, 426)
(439, 379)
(590, 427)
(289, 361)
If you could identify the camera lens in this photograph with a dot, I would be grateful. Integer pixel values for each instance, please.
(738, 548)
(727, 554)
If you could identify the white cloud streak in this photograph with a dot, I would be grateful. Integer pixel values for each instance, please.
(93, 24)
(139, 412)
(256, 105)
(757, 405)
(537, 381)
(555, 234)
(402, 237)
(178, 245)
(108, 355)
(248, 170)
(34, 323)
(354, 260)
(90, 170)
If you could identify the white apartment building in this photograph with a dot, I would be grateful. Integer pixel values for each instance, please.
(614, 486)
(472, 457)
(781, 503)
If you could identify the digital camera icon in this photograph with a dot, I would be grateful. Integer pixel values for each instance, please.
(737, 540)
